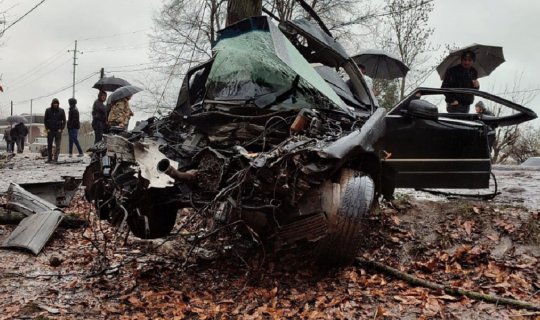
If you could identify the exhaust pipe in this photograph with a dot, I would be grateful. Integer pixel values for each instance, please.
(165, 167)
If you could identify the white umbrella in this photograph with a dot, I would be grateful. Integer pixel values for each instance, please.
(17, 119)
(123, 92)
(487, 59)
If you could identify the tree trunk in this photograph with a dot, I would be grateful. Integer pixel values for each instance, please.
(241, 9)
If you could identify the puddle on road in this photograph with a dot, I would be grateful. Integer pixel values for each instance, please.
(518, 186)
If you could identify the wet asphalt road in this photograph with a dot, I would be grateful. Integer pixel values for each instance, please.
(518, 186)
(31, 168)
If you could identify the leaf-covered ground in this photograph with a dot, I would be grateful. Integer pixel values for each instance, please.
(99, 273)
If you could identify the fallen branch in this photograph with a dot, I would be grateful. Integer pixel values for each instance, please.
(458, 292)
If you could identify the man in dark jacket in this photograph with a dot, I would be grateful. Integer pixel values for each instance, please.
(73, 125)
(99, 116)
(463, 75)
(18, 134)
(55, 122)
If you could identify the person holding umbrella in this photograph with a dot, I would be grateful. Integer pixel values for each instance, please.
(120, 112)
(55, 122)
(99, 116)
(100, 110)
(463, 75)
(18, 134)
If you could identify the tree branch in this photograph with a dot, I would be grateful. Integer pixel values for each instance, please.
(458, 292)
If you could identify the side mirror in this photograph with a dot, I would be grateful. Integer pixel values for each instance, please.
(422, 109)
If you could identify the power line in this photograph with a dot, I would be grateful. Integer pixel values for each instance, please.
(110, 49)
(69, 86)
(132, 70)
(21, 17)
(114, 35)
(518, 91)
(42, 64)
(129, 65)
(25, 84)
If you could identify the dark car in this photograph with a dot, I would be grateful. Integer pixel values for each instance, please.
(279, 132)
(428, 149)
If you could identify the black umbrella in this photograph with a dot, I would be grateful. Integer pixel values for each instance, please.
(381, 64)
(17, 119)
(487, 59)
(110, 83)
(123, 92)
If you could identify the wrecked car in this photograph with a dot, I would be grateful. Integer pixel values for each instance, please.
(279, 131)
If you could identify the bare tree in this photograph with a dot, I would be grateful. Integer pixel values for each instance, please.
(184, 30)
(242, 9)
(526, 145)
(408, 36)
(512, 141)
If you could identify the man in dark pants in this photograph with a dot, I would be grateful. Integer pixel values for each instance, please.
(99, 116)
(19, 133)
(464, 75)
(55, 122)
(73, 126)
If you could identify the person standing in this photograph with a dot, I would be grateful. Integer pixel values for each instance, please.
(120, 113)
(481, 109)
(99, 116)
(73, 126)
(464, 75)
(9, 140)
(55, 122)
(18, 135)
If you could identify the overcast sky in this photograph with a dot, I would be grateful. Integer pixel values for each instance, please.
(35, 62)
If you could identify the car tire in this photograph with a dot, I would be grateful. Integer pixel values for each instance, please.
(347, 219)
(151, 221)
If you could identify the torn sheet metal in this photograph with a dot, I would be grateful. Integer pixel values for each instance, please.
(42, 219)
(33, 232)
(59, 193)
(147, 155)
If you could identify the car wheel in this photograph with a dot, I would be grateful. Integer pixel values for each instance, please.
(351, 203)
(150, 220)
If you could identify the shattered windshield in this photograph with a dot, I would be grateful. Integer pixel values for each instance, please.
(261, 61)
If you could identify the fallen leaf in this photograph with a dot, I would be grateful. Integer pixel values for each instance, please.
(408, 300)
(468, 225)
(432, 307)
(135, 301)
(494, 237)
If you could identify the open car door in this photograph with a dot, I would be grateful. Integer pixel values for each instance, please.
(423, 148)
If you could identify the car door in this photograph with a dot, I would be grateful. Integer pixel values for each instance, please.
(423, 148)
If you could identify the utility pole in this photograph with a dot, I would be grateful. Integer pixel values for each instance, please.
(31, 122)
(101, 73)
(11, 108)
(75, 51)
